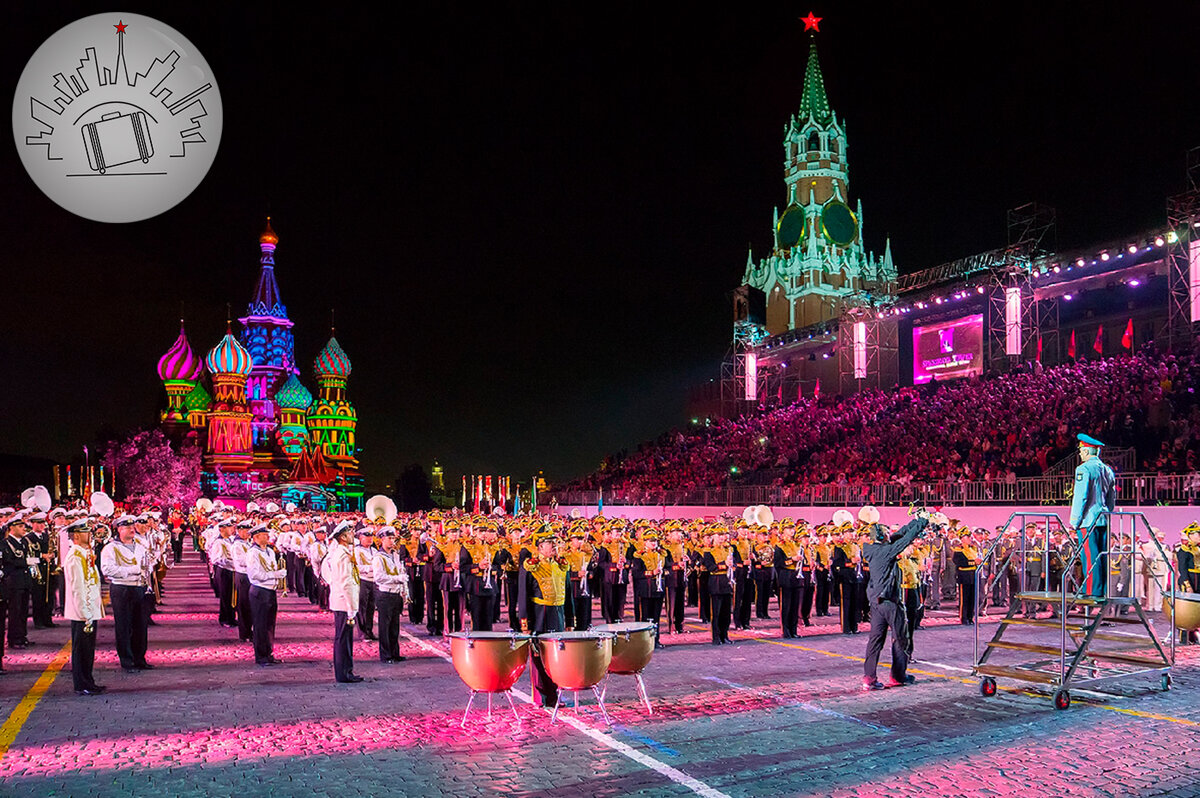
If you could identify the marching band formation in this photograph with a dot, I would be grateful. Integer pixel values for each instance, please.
(537, 573)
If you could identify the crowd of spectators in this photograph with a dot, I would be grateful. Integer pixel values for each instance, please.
(995, 429)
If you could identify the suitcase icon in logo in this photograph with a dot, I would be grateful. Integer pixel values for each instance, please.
(117, 139)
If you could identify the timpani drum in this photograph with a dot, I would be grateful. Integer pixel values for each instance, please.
(1187, 610)
(577, 661)
(489, 662)
(633, 646)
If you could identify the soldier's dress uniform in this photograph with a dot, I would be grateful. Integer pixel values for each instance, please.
(240, 547)
(124, 566)
(650, 589)
(221, 556)
(788, 566)
(580, 565)
(83, 608)
(364, 558)
(264, 574)
(720, 589)
(1094, 496)
(542, 592)
(847, 575)
(340, 573)
(965, 561)
(390, 573)
(17, 585)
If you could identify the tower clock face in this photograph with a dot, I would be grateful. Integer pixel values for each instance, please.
(839, 223)
(792, 227)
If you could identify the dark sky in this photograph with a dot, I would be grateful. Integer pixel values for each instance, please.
(528, 215)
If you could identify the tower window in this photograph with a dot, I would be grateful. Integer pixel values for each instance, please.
(814, 142)
(833, 146)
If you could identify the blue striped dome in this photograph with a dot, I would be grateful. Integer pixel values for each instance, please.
(229, 357)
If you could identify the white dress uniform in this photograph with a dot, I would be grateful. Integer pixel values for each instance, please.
(124, 566)
(83, 608)
(341, 574)
(264, 573)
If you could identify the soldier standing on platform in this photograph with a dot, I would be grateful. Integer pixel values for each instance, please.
(1095, 496)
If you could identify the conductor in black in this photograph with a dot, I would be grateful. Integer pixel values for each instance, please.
(884, 598)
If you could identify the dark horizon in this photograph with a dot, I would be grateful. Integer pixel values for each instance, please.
(528, 224)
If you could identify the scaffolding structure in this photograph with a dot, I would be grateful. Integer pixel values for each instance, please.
(1183, 217)
(1016, 321)
(868, 350)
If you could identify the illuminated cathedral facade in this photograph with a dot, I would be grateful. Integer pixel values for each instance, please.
(264, 435)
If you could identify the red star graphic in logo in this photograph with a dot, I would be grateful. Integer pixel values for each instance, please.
(121, 26)
(811, 22)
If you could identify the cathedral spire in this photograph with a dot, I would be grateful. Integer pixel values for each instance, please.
(266, 300)
(813, 102)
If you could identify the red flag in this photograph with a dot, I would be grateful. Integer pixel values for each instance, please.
(1127, 338)
(817, 389)
(799, 391)
(779, 393)
(1039, 349)
(1098, 345)
(1071, 346)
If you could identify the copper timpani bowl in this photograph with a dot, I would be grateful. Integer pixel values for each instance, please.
(489, 662)
(632, 647)
(1187, 610)
(576, 660)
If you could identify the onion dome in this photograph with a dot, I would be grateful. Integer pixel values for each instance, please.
(268, 236)
(180, 363)
(292, 395)
(332, 362)
(229, 357)
(198, 400)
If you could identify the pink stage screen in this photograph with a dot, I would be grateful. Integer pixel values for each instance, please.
(948, 350)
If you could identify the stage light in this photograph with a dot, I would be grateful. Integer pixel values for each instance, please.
(1158, 241)
(979, 290)
(1079, 263)
(1133, 249)
(1171, 237)
(938, 301)
(1135, 283)
(1104, 257)
(1068, 297)
(1057, 269)
(825, 355)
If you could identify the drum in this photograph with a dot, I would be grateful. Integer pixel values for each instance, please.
(632, 647)
(576, 660)
(1187, 610)
(489, 662)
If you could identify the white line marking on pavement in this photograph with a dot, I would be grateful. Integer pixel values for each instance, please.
(662, 768)
(806, 706)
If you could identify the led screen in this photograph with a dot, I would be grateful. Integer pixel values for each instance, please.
(948, 350)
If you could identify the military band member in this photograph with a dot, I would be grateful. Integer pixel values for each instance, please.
(240, 547)
(15, 563)
(847, 575)
(220, 554)
(430, 557)
(318, 550)
(340, 573)
(408, 544)
(788, 562)
(764, 575)
(612, 559)
(650, 567)
(364, 558)
(581, 562)
(965, 563)
(124, 564)
(451, 578)
(267, 571)
(677, 582)
(83, 607)
(543, 582)
(476, 564)
(41, 595)
(390, 570)
(743, 583)
(720, 561)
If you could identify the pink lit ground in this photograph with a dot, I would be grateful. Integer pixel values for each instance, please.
(763, 717)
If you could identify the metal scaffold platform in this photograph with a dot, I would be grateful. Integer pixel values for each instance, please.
(1089, 640)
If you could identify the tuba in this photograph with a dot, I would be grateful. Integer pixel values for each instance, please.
(380, 509)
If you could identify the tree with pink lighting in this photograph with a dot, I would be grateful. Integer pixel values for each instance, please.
(149, 471)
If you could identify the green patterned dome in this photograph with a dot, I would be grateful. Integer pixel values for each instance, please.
(292, 395)
(197, 399)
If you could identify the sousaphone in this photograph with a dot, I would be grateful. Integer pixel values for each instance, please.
(380, 509)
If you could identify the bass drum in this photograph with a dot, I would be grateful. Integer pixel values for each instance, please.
(633, 646)
(489, 662)
(576, 660)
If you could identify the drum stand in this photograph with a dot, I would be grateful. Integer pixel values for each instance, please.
(641, 685)
(507, 694)
(599, 700)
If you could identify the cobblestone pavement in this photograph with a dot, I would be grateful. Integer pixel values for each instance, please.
(765, 717)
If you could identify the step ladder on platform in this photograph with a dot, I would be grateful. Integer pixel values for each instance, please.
(1094, 640)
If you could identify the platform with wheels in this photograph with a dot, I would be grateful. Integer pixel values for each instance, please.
(1093, 641)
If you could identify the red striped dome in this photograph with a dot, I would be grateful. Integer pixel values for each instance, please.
(229, 357)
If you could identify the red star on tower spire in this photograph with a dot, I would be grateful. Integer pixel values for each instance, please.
(811, 22)
(121, 26)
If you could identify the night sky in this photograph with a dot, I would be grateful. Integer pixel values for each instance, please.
(528, 216)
